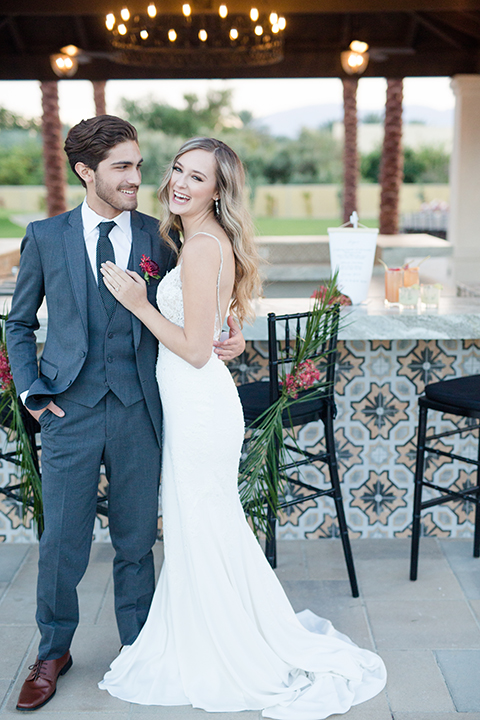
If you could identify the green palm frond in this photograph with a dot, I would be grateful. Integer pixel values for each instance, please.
(260, 480)
(22, 456)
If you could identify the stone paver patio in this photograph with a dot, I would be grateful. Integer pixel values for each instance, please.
(427, 632)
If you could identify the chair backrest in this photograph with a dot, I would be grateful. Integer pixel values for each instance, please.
(283, 333)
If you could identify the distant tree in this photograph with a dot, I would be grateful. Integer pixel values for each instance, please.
(316, 157)
(11, 121)
(280, 168)
(435, 165)
(21, 164)
(210, 115)
(246, 118)
(157, 150)
(373, 118)
(413, 166)
(370, 166)
(427, 165)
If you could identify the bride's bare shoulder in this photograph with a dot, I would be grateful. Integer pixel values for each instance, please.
(206, 244)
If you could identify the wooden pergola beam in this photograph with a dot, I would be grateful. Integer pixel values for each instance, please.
(101, 7)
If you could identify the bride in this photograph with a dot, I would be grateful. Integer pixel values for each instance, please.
(221, 635)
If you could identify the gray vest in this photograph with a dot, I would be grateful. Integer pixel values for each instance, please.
(110, 363)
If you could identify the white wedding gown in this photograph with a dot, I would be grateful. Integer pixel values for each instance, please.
(221, 634)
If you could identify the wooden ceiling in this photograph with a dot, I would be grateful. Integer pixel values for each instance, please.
(406, 38)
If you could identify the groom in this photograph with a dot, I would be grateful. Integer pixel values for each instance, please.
(93, 391)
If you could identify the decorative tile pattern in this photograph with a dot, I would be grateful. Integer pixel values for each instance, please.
(427, 364)
(378, 498)
(379, 410)
(377, 387)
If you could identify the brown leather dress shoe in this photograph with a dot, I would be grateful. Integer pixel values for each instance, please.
(41, 684)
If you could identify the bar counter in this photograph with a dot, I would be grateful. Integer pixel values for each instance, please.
(386, 356)
(456, 318)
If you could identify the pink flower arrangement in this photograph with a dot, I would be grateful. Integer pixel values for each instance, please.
(340, 298)
(5, 371)
(150, 268)
(304, 377)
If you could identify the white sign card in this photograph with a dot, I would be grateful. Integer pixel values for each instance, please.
(352, 252)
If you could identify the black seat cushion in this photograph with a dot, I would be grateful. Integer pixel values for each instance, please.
(255, 399)
(461, 392)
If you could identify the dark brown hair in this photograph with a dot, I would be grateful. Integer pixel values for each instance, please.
(90, 141)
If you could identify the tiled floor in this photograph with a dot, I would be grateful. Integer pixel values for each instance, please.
(428, 632)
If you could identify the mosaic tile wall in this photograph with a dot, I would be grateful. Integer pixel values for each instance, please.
(377, 386)
(378, 383)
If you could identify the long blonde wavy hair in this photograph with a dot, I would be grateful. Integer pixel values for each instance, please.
(232, 216)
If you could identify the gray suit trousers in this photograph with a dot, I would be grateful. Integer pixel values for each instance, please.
(73, 448)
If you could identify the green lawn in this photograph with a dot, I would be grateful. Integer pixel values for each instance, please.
(300, 226)
(264, 226)
(8, 229)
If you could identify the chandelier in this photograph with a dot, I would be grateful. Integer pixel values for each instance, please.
(196, 39)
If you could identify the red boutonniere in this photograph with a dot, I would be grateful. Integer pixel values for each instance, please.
(150, 269)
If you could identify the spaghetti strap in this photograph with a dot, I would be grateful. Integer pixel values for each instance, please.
(219, 309)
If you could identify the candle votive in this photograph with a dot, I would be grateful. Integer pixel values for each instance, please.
(430, 295)
(393, 281)
(408, 297)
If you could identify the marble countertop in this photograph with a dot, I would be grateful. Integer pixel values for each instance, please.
(455, 319)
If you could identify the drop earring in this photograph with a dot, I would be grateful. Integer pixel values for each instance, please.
(217, 206)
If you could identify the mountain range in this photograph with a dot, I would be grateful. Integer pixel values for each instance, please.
(289, 122)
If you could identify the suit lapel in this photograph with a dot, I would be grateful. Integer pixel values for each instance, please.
(141, 245)
(75, 253)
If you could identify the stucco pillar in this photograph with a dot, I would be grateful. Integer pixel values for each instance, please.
(464, 223)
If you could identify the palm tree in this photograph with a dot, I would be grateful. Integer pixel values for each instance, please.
(391, 169)
(99, 96)
(53, 157)
(350, 154)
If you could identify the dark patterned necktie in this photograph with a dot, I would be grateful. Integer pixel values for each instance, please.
(105, 252)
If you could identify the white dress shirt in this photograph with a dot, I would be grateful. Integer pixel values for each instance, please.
(120, 235)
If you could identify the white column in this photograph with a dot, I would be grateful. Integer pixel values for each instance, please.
(464, 224)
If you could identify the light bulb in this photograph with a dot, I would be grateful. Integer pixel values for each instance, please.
(187, 10)
(254, 14)
(172, 35)
(110, 21)
(358, 46)
(282, 23)
(125, 14)
(258, 30)
(273, 18)
(223, 11)
(70, 50)
(122, 29)
(275, 28)
(202, 35)
(151, 10)
(355, 60)
(233, 34)
(63, 65)
(143, 34)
